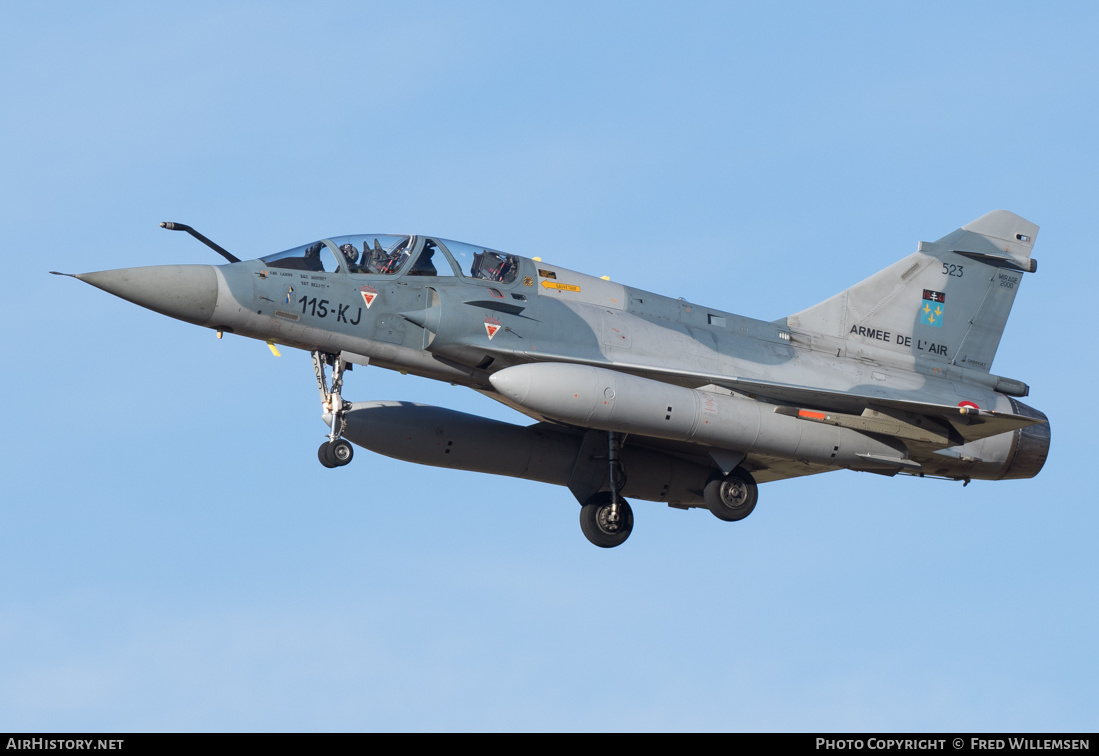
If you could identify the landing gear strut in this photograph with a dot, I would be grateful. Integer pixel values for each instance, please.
(336, 451)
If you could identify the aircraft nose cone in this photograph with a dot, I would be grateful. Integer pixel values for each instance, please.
(186, 292)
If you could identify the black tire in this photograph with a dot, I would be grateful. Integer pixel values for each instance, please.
(341, 452)
(596, 525)
(324, 454)
(731, 497)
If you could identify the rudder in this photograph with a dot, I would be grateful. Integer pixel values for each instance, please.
(948, 302)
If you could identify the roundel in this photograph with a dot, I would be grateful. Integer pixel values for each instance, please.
(969, 404)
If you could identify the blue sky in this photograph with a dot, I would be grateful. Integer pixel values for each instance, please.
(173, 557)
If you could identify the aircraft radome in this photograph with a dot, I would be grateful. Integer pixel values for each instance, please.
(635, 394)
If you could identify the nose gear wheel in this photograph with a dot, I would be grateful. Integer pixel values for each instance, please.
(335, 453)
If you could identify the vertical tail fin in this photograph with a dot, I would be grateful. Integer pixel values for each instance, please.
(949, 301)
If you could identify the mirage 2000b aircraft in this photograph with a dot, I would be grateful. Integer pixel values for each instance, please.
(637, 394)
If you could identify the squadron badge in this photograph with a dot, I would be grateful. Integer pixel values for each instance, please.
(934, 308)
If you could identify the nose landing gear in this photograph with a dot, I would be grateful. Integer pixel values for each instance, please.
(336, 451)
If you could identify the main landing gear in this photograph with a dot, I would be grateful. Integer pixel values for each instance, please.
(336, 451)
(606, 519)
(731, 497)
(605, 524)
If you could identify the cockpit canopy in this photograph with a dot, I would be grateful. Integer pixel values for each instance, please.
(389, 255)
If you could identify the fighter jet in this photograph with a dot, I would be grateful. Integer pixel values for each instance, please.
(635, 394)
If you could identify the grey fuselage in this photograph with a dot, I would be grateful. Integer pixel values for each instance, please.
(751, 393)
